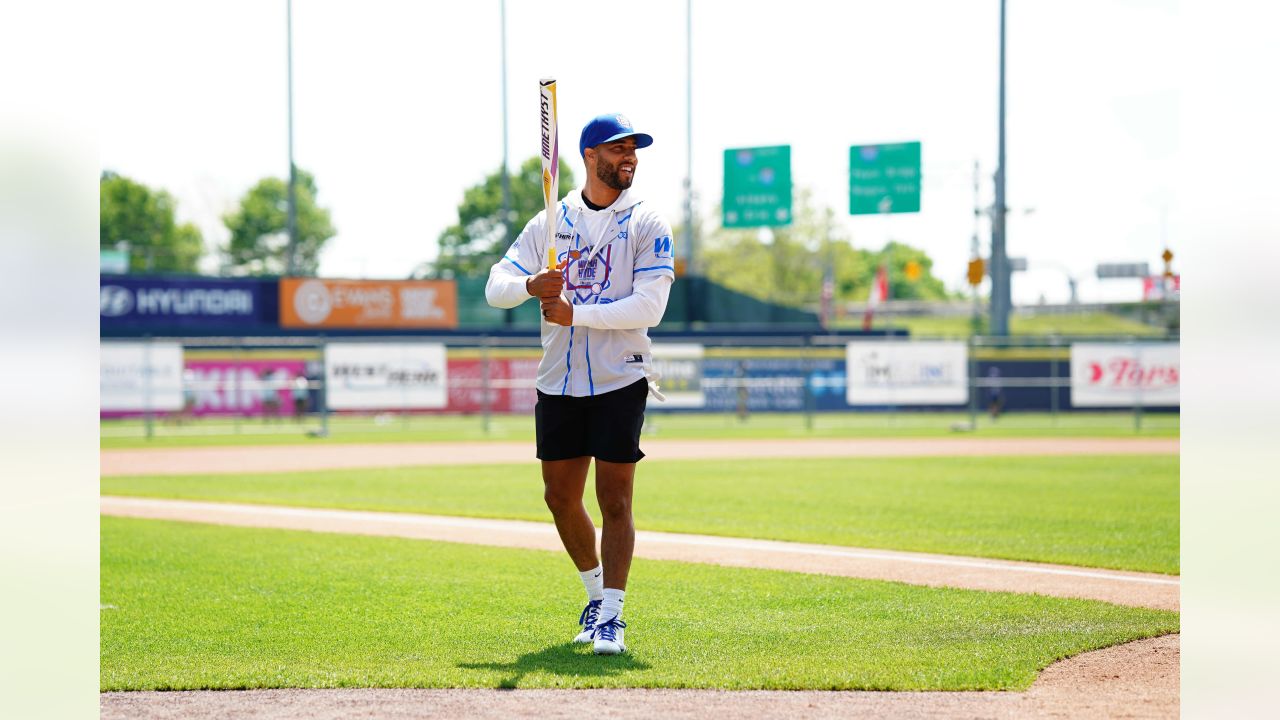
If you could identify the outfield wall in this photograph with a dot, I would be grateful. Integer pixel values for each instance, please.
(253, 377)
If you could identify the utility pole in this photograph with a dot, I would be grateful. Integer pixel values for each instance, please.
(974, 251)
(291, 254)
(1001, 297)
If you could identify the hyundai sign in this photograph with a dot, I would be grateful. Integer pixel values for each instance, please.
(183, 302)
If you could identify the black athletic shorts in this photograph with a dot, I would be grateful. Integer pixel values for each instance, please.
(606, 426)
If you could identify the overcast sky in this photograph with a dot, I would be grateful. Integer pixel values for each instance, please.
(398, 108)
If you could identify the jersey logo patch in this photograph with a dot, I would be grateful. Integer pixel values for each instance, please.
(662, 247)
(588, 278)
(634, 358)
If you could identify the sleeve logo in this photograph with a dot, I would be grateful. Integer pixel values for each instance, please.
(662, 247)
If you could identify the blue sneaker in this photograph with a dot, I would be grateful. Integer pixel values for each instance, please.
(590, 614)
(609, 637)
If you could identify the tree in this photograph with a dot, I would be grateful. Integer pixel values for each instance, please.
(259, 242)
(895, 256)
(134, 216)
(480, 237)
(790, 269)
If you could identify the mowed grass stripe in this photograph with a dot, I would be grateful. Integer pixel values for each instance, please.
(191, 606)
(1108, 512)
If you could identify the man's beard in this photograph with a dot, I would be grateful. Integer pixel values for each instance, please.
(608, 174)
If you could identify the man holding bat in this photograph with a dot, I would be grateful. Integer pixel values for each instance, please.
(608, 283)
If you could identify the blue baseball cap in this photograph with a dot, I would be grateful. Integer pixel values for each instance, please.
(609, 128)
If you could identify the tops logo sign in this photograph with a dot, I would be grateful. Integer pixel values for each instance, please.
(1116, 375)
(1126, 372)
(310, 303)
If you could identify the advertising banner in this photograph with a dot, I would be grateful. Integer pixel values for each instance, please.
(137, 377)
(372, 304)
(680, 368)
(248, 388)
(772, 384)
(1124, 375)
(1156, 288)
(511, 383)
(386, 376)
(180, 302)
(906, 373)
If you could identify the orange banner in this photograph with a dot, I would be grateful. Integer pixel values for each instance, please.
(373, 304)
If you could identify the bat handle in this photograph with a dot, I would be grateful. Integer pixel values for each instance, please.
(551, 257)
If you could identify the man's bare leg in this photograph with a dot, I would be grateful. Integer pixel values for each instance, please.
(564, 482)
(614, 482)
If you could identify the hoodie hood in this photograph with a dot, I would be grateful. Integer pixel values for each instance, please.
(627, 200)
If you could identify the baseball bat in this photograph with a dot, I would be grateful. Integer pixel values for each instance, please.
(550, 163)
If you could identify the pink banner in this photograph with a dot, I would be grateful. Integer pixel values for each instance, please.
(466, 385)
(244, 387)
(257, 388)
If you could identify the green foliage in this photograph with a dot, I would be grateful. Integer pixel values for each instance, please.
(469, 247)
(187, 606)
(135, 215)
(260, 229)
(961, 326)
(789, 271)
(1072, 510)
(895, 256)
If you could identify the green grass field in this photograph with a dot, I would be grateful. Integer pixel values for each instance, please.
(188, 606)
(1115, 512)
(119, 434)
(960, 326)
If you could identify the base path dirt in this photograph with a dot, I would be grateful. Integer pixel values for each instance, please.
(1125, 588)
(286, 458)
(1135, 680)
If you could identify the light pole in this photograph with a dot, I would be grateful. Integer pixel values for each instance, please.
(506, 179)
(688, 119)
(508, 315)
(292, 252)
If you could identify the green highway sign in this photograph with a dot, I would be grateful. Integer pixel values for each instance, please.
(757, 186)
(884, 178)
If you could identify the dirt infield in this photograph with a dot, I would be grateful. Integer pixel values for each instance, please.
(1125, 588)
(1135, 680)
(285, 458)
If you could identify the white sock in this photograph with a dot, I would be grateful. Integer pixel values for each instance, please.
(593, 581)
(612, 605)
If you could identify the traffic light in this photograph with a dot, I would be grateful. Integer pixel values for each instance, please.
(977, 268)
(912, 270)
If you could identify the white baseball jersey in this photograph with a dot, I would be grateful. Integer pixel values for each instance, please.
(618, 276)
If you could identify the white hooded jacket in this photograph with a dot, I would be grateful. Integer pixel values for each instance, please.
(618, 276)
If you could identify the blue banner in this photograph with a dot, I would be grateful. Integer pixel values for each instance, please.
(773, 384)
(164, 304)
